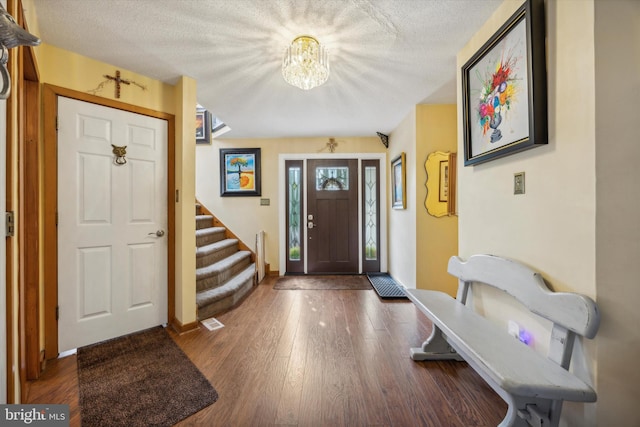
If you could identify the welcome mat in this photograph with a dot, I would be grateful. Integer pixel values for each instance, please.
(142, 379)
(324, 282)
(385, 286)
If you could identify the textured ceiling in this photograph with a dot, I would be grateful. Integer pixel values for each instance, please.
(386, 56)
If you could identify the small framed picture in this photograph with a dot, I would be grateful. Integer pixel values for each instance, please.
(443, 190)
(203, 126)
(399, 182)
(240, 172)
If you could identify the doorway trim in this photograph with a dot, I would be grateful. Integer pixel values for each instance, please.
(282, 208)
(50, 189)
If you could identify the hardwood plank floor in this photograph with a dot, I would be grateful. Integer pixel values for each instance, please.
(315, 358)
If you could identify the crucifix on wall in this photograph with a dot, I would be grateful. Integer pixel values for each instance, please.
(118, 81)
(332, 144)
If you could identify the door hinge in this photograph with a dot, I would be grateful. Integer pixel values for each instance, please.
(56, 123)
(56, 219)
(9, 224)
(57, 312)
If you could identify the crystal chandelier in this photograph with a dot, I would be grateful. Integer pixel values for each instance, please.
(305, 64)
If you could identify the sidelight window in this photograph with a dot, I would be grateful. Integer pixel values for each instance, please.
(295, 253)
(294, 213)
(370, 213)
(370, 178)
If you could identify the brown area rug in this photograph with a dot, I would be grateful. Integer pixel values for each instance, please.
(328, 282)
(142, 379)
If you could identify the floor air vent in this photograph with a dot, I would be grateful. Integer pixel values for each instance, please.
(385, 286)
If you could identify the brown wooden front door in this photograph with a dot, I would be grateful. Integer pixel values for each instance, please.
(332, 216)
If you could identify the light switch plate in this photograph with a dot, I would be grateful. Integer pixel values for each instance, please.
(518, 183)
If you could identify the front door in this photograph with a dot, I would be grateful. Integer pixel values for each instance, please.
(112, 217)
(332, 216)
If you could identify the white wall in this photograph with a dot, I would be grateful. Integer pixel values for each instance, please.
(552, 226)
(402, 222)
(617, 73)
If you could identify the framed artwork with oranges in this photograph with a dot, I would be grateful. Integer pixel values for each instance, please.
(240, 172)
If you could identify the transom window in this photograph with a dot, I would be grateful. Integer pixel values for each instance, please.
(332, 178)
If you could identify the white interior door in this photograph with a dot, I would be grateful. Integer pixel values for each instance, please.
(112, 218)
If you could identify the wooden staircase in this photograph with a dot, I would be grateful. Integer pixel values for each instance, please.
(225, 267)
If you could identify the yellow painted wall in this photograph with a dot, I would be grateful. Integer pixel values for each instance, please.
(244, 216)
(70, 70)
(436, 238)
(185, 101)
(420, 245)
(73, 71)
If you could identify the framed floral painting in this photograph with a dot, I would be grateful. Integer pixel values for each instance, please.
(504, 89)
(240, 172)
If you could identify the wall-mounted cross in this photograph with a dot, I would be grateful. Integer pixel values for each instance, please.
(332, 144)
(118, 81)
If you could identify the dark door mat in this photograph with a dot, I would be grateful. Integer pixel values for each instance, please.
(385, 286)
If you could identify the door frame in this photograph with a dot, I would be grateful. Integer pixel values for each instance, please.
(282, 208)
(20, 334)
(50, 189)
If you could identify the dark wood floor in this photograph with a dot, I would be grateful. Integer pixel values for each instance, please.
(316, 358)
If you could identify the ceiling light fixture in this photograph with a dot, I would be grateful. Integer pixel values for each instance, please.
(305, 64)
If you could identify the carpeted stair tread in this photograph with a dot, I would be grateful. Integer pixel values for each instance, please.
(210, 301)
(214, 252)
(205, 236)
(223, 264)
(214, 247)
(203, 221)
(224, 273)
(215, 275)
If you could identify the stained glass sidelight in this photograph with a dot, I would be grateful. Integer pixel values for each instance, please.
(295, 210)
(370, 214)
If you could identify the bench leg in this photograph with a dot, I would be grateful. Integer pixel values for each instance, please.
(530, 412)
(435, 347)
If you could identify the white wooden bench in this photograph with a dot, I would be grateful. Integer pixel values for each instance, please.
(533, 386)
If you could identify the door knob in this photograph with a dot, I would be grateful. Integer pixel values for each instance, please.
(158, 233)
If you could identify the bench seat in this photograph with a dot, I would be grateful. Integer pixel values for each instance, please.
(533, 386)
(509, 363)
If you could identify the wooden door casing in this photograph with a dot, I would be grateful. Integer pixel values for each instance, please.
(50, 172)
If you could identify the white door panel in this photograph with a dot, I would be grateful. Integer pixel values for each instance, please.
(112, 269)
